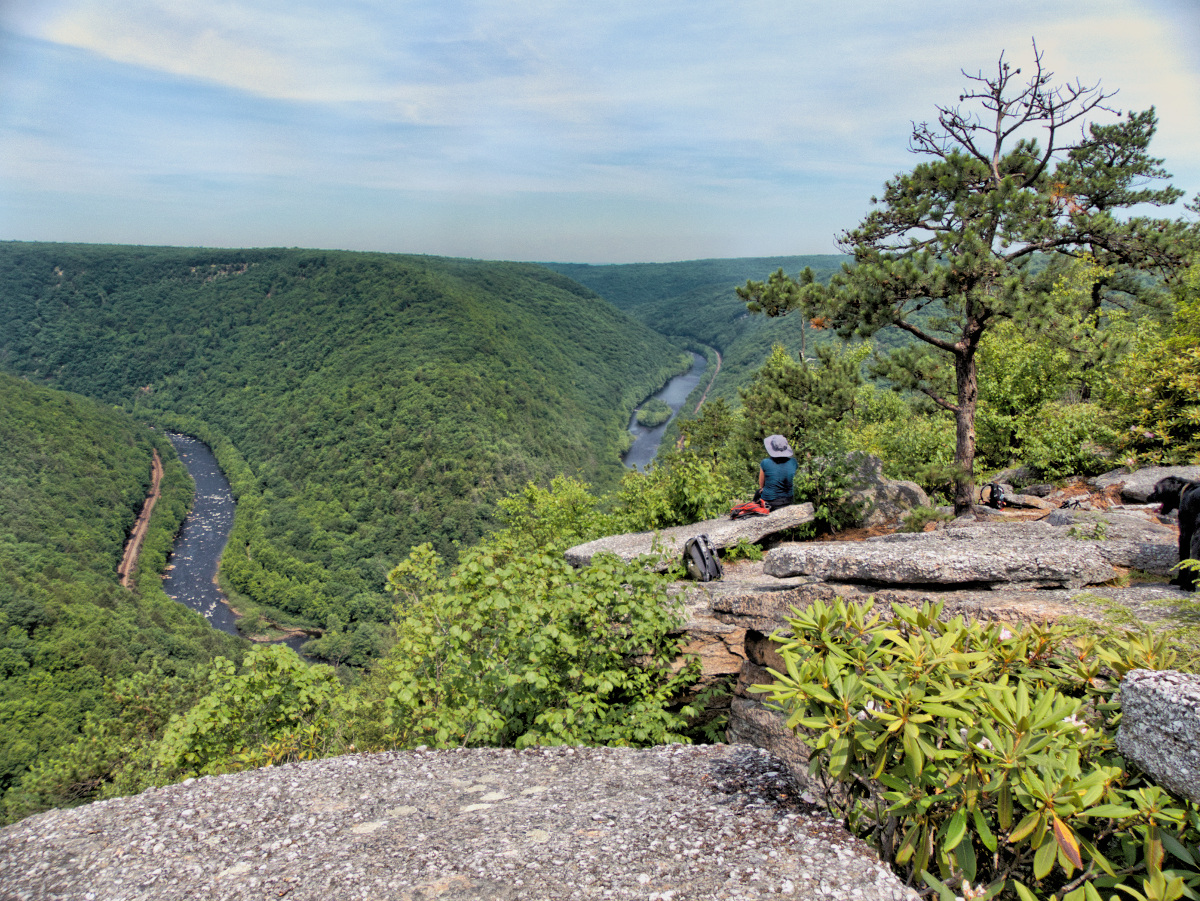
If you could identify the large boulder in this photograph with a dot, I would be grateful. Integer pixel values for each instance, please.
(1160, 727)
(884, 501)
(724, 532)
(1136, 486)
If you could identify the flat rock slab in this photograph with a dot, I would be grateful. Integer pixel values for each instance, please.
(1160, 727)
(1084, 549)
(723, 533)
(675, 822)
(764, 605)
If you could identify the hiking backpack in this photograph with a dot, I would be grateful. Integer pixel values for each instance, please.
(750, 508)
(701, 561)
(995, 498)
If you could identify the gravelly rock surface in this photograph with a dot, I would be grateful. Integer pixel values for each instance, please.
(662, 824)
(1160, 727)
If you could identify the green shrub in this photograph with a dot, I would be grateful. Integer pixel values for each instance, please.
(1156, 387)
(982, 761)
(550, 519)
(272, 709)
(921, 517)
(525, 651)
(799, 399)
(827, 477)
(743, 550)
(1060, 440)
(680, 488)
(914, 446)
(1018, 372)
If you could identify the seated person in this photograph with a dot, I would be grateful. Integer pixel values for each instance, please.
(776, 472)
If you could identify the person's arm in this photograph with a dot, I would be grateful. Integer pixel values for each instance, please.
(762, 477)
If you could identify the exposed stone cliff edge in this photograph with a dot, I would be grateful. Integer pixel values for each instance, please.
(674, 823)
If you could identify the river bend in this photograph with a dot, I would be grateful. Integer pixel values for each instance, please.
(191, 577)
(647, 440)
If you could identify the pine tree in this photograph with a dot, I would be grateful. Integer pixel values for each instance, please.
(957, 244)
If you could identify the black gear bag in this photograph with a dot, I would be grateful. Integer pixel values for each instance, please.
(701, 561)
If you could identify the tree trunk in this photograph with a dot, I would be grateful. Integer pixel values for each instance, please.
(964, 429)
(1085, 386)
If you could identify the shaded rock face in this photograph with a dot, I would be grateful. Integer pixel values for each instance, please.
(755, 723)
(676, 822)
(884, 501)
(1160, 728)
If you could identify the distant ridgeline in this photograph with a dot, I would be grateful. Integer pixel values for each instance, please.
(696, 300)
(73, 476)
(359, 403)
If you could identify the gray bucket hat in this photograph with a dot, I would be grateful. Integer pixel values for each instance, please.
(777, 446)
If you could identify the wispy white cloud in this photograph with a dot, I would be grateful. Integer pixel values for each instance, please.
(586, 113)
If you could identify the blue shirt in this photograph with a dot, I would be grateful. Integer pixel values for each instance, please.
(777, 481)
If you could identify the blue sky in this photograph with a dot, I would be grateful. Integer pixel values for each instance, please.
(607, 131)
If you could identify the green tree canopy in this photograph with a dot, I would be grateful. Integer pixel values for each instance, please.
(1156, 387)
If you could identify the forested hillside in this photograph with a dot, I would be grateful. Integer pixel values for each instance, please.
(697, 300)
(360, 403)
(73, 476)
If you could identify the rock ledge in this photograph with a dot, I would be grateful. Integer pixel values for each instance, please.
(671, 823)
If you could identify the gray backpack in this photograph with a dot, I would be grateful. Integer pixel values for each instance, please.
(701, 561)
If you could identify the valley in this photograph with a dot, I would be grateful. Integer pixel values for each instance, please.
(359, 403)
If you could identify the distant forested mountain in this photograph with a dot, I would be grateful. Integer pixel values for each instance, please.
(696, 300)
(360, 403)
(73, 476)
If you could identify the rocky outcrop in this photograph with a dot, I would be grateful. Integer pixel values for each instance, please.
(884, 501)
(1160, 728)
(678, 822)
(722, 532)
(1090, 551)
(1007, 571)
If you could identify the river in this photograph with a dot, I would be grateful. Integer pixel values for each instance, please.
(191, 576)
(192, 566)
(647, 440)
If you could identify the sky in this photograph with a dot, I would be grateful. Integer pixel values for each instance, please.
(610, 131)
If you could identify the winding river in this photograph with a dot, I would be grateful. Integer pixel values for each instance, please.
(647, 440)
(191, 577)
